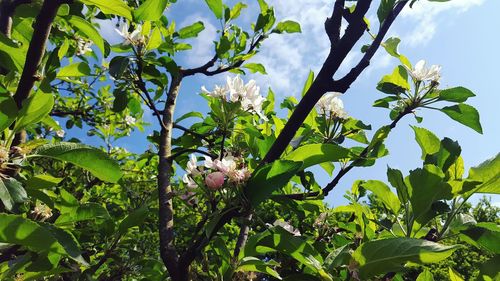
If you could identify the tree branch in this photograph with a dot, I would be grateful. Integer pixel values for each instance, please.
(36, 49)
(343, 84)
(204, 69)
(333, 24)
(187, 150)
(168, 252)
(198, 135)
(7, 9)
(323, 81)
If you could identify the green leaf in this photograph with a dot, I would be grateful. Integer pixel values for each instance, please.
(489, 269)
(464, 114)
(426, 275)
(488, 173)
(8, 111)
(216, 6)
(12, 57)
(485, 235)
(15, 189)
(252, 264)
(255, 67)
(384, 193)
(135, 218)
(448, 154)
(68, 241)
(5, 197)
(191, 30)
(269, 178)
(426, 186)
(396, 179)
(394, 83)
(88, 30)
(456, 94)
(282, 241)
(78, 69)
(384, 9)
(308, 83)
(381, 256)
(34, 109)
(236, 10)
(189, 115)
(313, 154)
(155, 39)
(42, 181)
(87, 211)
(391, 46)
(111, 7)
(94, 160)
(454, 276)
(150, 10)
(427, 141)
(118, 65)
(287, 26)
(17, 230)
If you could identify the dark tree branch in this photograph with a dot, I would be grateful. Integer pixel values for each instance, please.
(323, 81)
(204, 69)
(242, 236)
(7, 9)
(333, 24)
(36, 49)
(187, 150)
(191, 132)
(343, 84)
(168, 251)
(330, 186)
(199, 243)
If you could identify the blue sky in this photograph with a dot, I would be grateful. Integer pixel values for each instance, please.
(459, 35)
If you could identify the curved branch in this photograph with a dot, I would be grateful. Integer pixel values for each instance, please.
(36, 49)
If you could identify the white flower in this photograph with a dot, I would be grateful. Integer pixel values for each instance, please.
(238, 176)
(227, 165)
(248, 95)
(133, 38)
(83, 46)
(190, 183)
(209, 163)
(422, 73)
(287, 227)
(331, 104)
(4, 155)
(218, 92)
(60, 133)
(129, 120)
(192, 166)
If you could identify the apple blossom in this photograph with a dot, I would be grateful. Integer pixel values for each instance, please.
(129, 120)
(190, 183)
(83, 46)
(331, 104)
(286, 226)
(214, 180)
(422, 73)
(131, 38)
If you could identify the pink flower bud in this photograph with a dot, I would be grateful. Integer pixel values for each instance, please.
(215, 180)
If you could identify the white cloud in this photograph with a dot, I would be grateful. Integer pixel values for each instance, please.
(203, 46)
(426, 17)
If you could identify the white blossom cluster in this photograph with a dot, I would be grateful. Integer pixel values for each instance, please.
(134, 38)
(247, 94)
(227, 166)
(83, 46)
(332, 105)
(422, 73)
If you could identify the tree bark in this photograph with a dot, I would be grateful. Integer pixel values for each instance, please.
(165, 193)
(36, 49)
